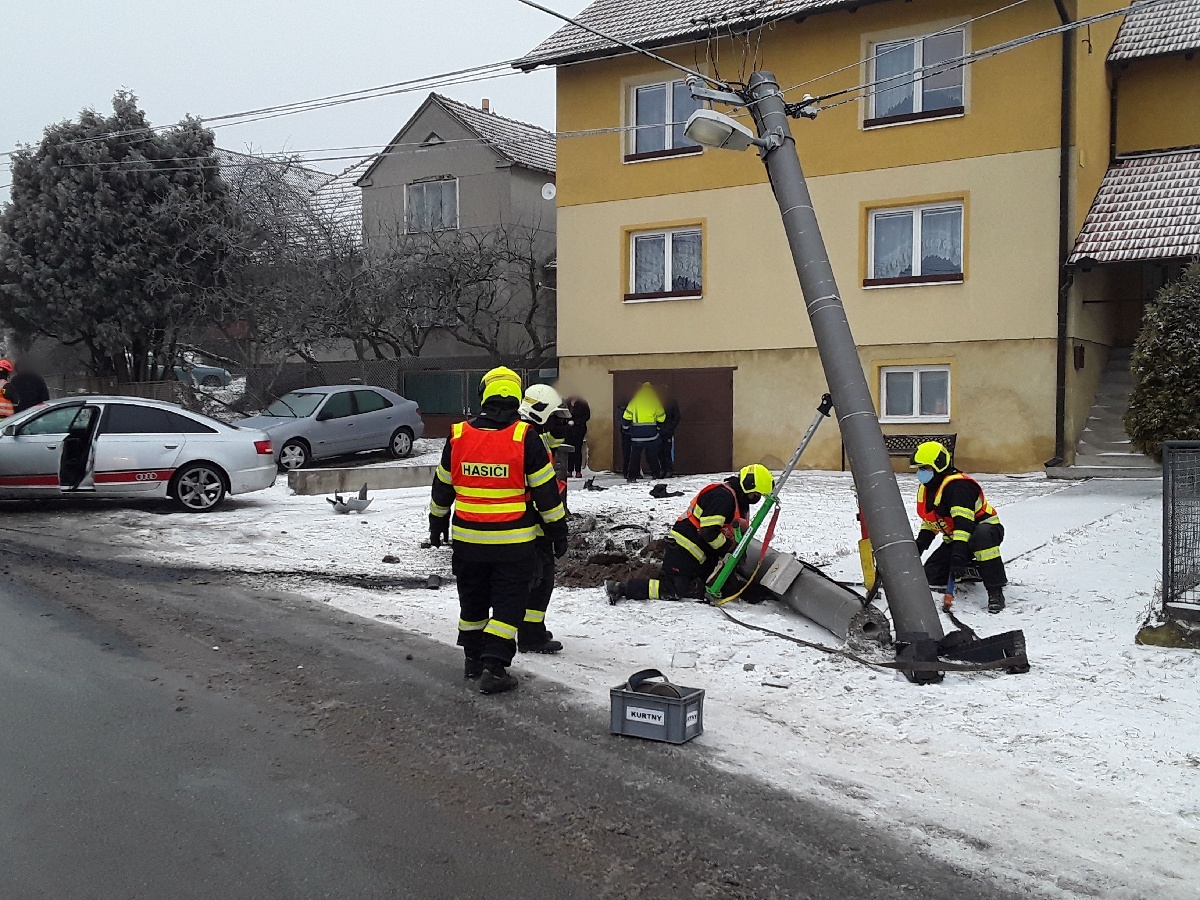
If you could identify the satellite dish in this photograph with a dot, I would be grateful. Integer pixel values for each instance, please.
(549, 191)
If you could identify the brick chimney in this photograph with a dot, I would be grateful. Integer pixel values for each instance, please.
(487, 105)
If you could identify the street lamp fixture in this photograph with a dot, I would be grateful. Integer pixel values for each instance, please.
(710, 128)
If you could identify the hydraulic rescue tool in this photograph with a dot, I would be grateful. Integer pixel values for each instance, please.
(770, 506)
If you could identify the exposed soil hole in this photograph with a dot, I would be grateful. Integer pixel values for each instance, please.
(603, 548)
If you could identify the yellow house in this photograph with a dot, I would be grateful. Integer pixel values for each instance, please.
(950, 195)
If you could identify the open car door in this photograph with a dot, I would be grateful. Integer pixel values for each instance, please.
(75, 464)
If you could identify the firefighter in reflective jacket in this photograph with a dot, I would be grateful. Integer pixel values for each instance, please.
(700, 539)
(542, 407)
(497, 476)
(952, 504)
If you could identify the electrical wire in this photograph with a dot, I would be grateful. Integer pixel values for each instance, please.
(967, 59)
(430, 82)
(946, 30)
(615, 40)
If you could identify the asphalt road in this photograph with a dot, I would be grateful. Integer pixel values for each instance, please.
(173, 733)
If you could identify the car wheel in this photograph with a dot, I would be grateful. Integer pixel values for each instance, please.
(210, 381)
(401, 444)
(294, 455)
(199, 487)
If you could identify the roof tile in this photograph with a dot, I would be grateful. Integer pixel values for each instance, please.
(1148, 207)
(1158, 28)
(519, 142)
(649, 24)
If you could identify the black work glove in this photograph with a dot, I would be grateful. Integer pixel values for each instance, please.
(960, 559)
(924, 540)
(560, 547)
(439, 530)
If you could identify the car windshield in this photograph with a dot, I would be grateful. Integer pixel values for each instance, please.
(295, 405)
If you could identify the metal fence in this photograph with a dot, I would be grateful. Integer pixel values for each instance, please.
(1181, 527)
(71, 385)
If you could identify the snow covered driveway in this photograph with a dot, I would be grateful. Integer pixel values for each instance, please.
(1082, 777)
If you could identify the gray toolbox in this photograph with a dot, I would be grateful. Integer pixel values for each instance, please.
(656, 709)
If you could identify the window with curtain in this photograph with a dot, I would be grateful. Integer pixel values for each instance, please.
(916, 78)
(660, 112)
(431, 206)
(915, 394)
(666, 264)
(915, 245)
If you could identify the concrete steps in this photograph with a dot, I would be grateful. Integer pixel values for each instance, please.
(1104, 449)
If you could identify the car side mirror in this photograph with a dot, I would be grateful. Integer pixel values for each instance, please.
(9, 430)
(323, 416)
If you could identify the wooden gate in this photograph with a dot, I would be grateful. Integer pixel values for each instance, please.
(704, 441)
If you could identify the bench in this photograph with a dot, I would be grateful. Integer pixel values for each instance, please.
(903, 446)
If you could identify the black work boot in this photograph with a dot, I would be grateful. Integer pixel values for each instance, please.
(472, 667)
(540, 643)
(615, 590)
(995, 599)
(496, 680)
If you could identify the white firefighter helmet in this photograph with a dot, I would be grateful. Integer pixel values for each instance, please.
(540, 403)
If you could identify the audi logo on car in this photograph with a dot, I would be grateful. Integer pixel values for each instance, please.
(147, 476)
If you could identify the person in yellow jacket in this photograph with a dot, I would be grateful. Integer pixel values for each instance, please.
(496, 474)
(643, 420)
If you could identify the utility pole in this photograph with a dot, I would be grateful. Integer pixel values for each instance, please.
(899, 565)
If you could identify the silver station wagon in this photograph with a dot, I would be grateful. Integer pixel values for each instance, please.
(126, 447)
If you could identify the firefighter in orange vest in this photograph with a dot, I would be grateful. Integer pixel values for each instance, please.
(6, 403)
(496, 474)
(952, 504)
(701, 538)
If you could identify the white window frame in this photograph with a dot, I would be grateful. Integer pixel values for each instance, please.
(669, 126)
(457, 209)
(915, 212)
(668, 263)
(917, 372)
(918, 42)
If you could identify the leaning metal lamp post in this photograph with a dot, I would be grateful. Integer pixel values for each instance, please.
(910, 601)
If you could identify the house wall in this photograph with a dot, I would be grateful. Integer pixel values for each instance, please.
(1002, 405)
(998, 120)
(485, 194)
(751, 296)
(1158, 103)
(1002, 158)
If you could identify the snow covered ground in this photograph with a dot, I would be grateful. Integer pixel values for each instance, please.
(1081, 778)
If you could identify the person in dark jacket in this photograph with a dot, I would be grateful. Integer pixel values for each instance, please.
(577, 427)
(666, 434)
(496, 474)
(26, 389)
(952, 504)
(701, 538)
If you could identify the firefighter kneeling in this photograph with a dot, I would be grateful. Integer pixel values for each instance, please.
(496, 474)
(952, 504)
(700, 539)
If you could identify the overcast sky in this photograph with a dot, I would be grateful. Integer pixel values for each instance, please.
(209, 57)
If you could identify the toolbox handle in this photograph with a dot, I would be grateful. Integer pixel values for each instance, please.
(664, 689)
(637, 679)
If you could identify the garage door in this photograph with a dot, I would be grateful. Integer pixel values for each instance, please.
(704, 441)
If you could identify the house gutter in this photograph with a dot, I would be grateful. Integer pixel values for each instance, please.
(1065, 279)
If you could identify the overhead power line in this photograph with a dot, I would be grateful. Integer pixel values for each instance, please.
(967, 59)
(427, 83)
(949, 28)
(622, 43)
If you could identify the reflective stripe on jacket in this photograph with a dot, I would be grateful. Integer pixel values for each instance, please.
(701, 530)
(935, 518)
(487, 470)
